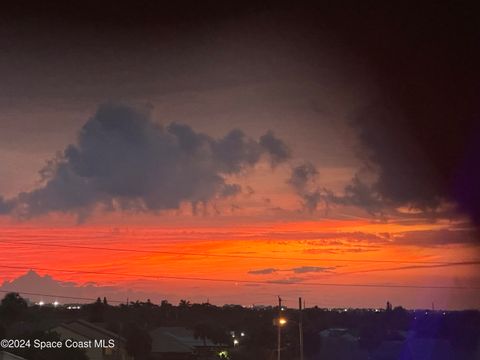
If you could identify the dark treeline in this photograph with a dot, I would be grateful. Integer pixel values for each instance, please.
(135, 320)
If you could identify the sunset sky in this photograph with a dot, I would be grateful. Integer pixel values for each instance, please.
(236, 153)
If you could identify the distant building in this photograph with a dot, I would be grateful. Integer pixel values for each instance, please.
(7, 356)
(178, 343)
(81, 330)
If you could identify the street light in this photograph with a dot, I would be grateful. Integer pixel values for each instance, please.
(279, 323)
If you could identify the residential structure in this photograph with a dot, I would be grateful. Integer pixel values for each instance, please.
(178, 343)
(81, 330)
(340, 344)
(7, 356)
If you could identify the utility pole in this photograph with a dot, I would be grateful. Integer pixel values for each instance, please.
(300, 326)
(279, 331)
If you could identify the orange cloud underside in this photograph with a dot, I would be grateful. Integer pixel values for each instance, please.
(355, 251)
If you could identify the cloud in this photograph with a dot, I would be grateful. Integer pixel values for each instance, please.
(428, 238)
(412, 267)
(277, 149)
(296, 270)
(358, 193)
(309, 269)
(421, 159)
(302, 176)
(32, 282)
(303, 180)
(230, 190)
(326, 237)
(124, 160)
(420, 134)
(263, 271)
(340, 250)
(6, 206)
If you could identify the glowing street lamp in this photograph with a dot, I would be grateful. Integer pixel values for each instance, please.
(280, 321)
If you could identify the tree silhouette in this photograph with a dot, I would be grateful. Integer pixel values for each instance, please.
(97, 311)
(165, 309)
(12, 308)
(184, 304)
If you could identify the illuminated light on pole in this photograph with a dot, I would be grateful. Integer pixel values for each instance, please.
(280, 322)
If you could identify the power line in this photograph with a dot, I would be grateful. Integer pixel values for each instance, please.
(95, 299)
(57, 296)
(264, 282)
(223, 255)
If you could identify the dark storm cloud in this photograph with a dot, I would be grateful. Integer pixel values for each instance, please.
(123, 160)
(303, 180)
(420, 162)
(421, 136)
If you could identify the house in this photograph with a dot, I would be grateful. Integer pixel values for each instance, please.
(84, 331)
(178, 343)
(340, 344)
(7, 356)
